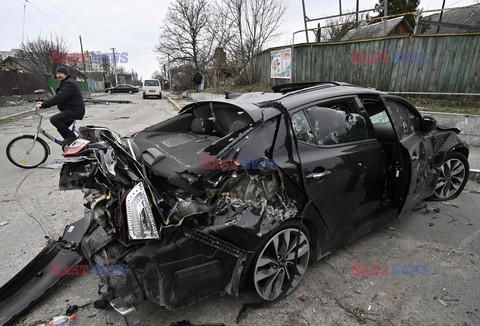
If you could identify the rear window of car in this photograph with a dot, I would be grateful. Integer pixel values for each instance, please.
(151, 83)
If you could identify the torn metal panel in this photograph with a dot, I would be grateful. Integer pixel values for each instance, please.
(26, 288)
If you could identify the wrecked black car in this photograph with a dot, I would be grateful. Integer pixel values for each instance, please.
(246, 190)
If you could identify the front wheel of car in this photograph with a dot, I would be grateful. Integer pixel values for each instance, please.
(453, 177)
(275, 266)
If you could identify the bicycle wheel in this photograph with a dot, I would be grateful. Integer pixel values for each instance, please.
(18, 147)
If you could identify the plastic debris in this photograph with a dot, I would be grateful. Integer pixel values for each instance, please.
(61, 320)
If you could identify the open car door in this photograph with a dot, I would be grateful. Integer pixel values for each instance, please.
(415, 155)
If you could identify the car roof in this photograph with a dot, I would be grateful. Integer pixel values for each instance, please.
(324, 92)
(257, 103)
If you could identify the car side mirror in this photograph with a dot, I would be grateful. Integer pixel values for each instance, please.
(428, 123)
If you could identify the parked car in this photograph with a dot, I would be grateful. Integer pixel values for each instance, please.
(250, 188)
(122, 88)
(152, 87)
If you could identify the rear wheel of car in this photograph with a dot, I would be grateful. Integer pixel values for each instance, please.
(130, 92)
(275, 264)
(453, 177)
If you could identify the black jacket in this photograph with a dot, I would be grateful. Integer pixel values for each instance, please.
(68, 99)
(197, 78)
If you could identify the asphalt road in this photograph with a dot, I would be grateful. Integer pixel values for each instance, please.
(446, 239)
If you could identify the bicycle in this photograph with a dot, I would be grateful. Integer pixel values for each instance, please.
(29, 151)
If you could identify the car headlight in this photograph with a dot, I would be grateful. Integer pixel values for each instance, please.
(141, 224)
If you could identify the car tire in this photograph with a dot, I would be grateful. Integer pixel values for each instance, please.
(144, 97)
(160, 96)
(453, 176)
(130, 92)
(273, 265)
(109, 92)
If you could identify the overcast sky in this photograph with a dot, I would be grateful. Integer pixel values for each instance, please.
(133, 26)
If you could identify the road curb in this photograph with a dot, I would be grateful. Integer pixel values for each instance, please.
(15, 114)
(175, 104)
(474, 174)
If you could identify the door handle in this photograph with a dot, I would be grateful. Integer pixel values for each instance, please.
(318, 175)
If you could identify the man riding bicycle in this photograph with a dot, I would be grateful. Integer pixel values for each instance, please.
(69, 101)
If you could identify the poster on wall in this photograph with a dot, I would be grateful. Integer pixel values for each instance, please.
(281, 63)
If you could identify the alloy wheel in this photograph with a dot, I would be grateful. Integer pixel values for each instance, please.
(452, 176)
(275, 265)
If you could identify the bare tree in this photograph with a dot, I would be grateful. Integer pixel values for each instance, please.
(338, 27)
(40, 51)
(157, 75)
(252, 23)
(184, 36)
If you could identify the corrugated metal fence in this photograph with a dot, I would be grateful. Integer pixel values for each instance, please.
(85, 86)
(452, 63)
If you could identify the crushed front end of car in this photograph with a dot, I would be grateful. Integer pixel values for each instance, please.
(186, 230)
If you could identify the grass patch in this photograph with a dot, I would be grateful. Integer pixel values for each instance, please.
(432, 105)
(239, 89)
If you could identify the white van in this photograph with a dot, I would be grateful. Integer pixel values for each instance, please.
(151, 87)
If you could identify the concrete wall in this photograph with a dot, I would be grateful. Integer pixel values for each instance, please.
(468, 124)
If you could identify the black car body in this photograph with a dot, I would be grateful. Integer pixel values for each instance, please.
(123, 88)
(249, 189)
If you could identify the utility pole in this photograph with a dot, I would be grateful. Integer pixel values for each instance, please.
(385, 14)
(356, 16)
(83, 60)
(115, 67)
(441, 14)
(169, 75)
(305, 20)
(23, 28)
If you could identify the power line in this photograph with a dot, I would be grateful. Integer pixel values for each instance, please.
(64, 15)
(54, 20)
(50, 17)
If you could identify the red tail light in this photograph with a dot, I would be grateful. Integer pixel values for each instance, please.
(76, 147)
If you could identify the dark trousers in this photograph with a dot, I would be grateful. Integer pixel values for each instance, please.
(62, 121)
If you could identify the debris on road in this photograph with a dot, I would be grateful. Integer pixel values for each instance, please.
(303, 298)
(107, 102)
(427, 209)
(3, 223)
(450, 204)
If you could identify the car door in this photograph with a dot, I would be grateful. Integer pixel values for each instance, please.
(343, 163)
(419, 173)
